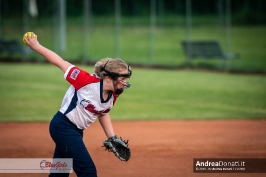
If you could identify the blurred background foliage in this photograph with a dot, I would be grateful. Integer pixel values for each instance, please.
(133, 38)
(245, 12)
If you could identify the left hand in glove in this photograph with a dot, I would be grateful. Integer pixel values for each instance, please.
(119, 147)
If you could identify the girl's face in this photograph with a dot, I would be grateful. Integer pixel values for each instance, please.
(121, 82)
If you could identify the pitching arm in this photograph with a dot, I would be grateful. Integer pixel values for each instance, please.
(105, 121)
(51, 56)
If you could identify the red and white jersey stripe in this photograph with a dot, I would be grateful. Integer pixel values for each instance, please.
(83, 101)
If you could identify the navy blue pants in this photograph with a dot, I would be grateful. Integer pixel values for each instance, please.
(69, 144)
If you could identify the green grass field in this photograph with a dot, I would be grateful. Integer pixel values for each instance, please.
(248, 41)
(33, 92)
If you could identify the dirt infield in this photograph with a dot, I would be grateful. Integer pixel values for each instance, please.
(159, 148)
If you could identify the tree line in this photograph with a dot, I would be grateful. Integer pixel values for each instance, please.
(243, 11)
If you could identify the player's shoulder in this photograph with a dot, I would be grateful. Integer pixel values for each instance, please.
(79, 77)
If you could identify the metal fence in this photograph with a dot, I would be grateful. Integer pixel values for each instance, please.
(152, 38)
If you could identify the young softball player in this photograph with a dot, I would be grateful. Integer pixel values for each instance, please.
(89, 96)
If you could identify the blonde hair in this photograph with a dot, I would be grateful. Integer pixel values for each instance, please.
(114, 65)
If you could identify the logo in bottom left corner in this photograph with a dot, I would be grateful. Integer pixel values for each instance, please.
(54, 165)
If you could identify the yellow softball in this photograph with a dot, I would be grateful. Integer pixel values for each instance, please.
(28, 34)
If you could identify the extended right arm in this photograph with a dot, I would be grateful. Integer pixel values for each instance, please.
(51, 56)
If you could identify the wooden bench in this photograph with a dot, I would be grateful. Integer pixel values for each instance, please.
(207, 50)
